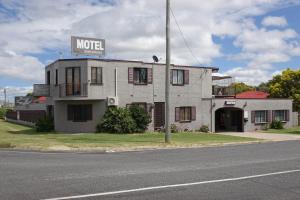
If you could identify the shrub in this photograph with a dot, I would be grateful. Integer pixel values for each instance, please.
(276, 124)
(141, 118)
(116, 120)
(45, 124)
(174, 128)
(204, 129)
(2, 113)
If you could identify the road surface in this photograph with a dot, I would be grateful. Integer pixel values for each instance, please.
(254, 171)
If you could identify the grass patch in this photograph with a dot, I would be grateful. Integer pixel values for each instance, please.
(27, 138)
(293, 130)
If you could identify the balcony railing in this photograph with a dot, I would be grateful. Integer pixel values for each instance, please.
(78, 90)
(222, 91)
(41, 90)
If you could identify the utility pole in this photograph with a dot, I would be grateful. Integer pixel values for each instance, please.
(4, 97)
(167, 84)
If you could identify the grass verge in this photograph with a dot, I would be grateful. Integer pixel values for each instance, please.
(293, 130)
(22, 137)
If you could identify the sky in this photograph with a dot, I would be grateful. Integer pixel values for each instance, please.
(251, 40)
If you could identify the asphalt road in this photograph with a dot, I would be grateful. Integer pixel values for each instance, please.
(255, 171)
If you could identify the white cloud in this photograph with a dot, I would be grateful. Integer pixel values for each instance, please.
(134, 29)
(274, 21)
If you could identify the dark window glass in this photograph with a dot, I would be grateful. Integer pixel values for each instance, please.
(185, 114)
(48, 77)
(96, 75)
(56, 77)
(140, 75)
(178, 77)
(79, 113)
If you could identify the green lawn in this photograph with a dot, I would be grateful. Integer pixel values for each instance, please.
(23, 137)
(294, 130)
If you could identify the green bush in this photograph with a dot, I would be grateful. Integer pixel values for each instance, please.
(276, 124)
(45, 124)
(141, 118)
(116, 120)
(174, 128)
(2, 113)
(204, 129)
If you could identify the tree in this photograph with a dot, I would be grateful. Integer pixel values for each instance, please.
(286, 85)
(242, 87)
(263, 87)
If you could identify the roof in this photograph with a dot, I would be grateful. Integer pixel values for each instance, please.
(132, 61)
(252, 95)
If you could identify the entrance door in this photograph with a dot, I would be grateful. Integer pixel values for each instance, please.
(229, 119)
(159, 115)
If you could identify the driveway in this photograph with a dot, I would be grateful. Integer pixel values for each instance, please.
(264, 136)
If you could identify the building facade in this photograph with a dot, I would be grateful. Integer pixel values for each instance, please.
(79, 91)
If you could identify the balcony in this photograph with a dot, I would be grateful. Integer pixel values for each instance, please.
(223, 91)
(223, 86)
(73, 90)
(41, 90)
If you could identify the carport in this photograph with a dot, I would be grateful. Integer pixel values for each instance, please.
(229, 119)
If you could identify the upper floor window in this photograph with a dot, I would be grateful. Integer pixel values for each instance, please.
(140, 75)
(48, 78)
(56, 76)
(179, 77)
(96, 75)
(261, 116)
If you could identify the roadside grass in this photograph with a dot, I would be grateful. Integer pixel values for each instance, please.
(22, 137)
(293, 130)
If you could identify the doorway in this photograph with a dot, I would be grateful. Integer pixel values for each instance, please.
(159, 115)
(229, 119)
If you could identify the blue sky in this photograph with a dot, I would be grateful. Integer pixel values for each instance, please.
(250, 40)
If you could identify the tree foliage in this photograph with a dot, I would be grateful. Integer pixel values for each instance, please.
(286, 85)
(242, 87)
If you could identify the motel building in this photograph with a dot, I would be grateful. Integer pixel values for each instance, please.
(79, 90)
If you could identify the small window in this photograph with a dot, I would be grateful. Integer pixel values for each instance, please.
(80, 113)
(177, 77)
(142, 105)
(280, 115)
(185, 114)
(56, 77)
(140, 76)
(48, 78)
(261, 116)
(96, 75)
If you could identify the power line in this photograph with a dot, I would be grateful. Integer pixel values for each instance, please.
(184, 39)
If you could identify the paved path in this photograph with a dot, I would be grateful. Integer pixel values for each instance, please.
(254, 171)
(265, 136)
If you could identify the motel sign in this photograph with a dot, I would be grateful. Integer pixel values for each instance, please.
(87, 46)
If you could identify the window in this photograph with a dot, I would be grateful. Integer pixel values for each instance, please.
(280, 115)
(261, 116)
(142, 105)
(185, 114)
(140, 76)
(96, 75)
(177, 77)
(48, 77)
(56, 77)
(80, 113)
(73, 85)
